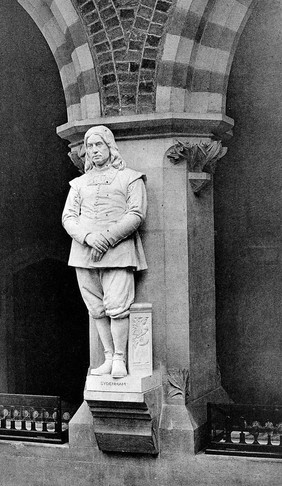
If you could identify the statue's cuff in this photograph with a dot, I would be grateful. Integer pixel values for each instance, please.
(84, 241)
(107, 234)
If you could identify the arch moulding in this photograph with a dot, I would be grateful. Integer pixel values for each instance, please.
(195, 53)
(60, 25)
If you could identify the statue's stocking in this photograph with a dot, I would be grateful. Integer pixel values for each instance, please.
(119, 328)
(104, 331)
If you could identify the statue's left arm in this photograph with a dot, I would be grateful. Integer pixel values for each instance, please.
(133, 217)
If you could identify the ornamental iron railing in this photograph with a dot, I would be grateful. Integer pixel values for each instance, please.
(35, 418)
(236, 429)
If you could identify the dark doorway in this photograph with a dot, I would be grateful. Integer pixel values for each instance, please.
(50, 349)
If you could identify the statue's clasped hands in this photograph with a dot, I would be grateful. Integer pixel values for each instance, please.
(99, 245)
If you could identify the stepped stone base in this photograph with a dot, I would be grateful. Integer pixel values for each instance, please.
(126, 412)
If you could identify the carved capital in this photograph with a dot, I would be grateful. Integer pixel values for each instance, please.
(201, 158)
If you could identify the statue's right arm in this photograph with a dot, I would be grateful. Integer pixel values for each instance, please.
(70, 217)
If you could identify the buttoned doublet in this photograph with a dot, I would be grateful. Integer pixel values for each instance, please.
(112, 202)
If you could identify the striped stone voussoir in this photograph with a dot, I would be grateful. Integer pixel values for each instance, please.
(65, 35)
(198, 51)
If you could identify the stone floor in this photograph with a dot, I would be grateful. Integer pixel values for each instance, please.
(27, 464)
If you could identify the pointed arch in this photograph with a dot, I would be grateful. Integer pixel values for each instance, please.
(62, 28)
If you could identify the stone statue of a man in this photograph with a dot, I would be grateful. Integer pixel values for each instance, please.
(104, 208)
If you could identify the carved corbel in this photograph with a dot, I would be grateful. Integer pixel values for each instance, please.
(78, 157)
(201, 159)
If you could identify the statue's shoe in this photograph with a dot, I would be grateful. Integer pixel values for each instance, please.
(104, 369)
(119, 368)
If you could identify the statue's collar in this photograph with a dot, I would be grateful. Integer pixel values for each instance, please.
(105, 175)
(101, 169)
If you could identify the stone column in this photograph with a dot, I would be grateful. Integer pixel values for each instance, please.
(178, 153)
(192, 374)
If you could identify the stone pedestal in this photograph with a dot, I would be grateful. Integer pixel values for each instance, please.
(130, 388)
(125, 412)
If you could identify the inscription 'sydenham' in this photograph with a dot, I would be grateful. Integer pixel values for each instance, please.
(109, 383)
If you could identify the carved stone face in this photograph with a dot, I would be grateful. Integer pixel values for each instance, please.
(97, 151)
